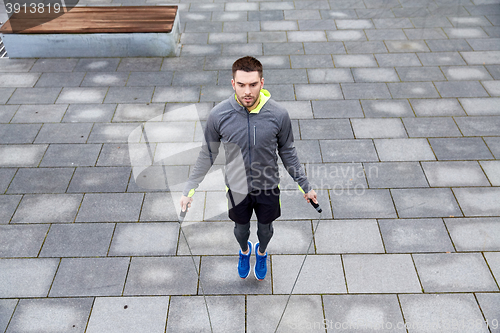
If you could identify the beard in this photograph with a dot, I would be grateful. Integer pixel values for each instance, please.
(247, 101)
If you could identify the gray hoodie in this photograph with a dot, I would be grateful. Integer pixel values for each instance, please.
(250, 141)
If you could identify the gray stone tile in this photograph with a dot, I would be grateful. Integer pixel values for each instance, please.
(290, 237)
(460, 149)
(8, 205)
(176, 94)
(431, 127)
(474, 234)
(461, 89)
(358, 150)
(134, 314)
(363, 313)
(54, 65)
(6, 176)
(31, 95)
(193, 78)
(493, 32)
(18, 133)
(342, 4)
(183, 64)
(426, 311)
(60, 80)
(162, 276)
(402, 59)
(359, 236)
(194, 38)
(7, 307)
(311, 61)
(267, 37)
(470, 21)
(315, 25)
(217, 93)
(363, 203)
(307, 36)
(478, 126)
(43, 180)
(16, 65)
(354, 24)
(264, 311)
(138, 112)
(378, 128)
(48, 208)
(494, 145)
(240, 26)
(413, 90)
(5, 94)
(21, 241)
(112, 133)
(478, 201)
(326, 129)
(139, 64)
(365, 47)
(338, 14)
(395, 175)
(392, 23)
(489, 304)
(298, 109)
(278, 25)
(365, 90)
(336, 176)
(227, 313)
(110, 207)
(387, 273)
(317, 91)
(89, 113)
(302, 14)
(78, 240)
(97, 65)
(70, 155)
(222, 16)
(404, 150)
(458, 272)
(465, 33)
(129, 95)
(324, 48)
(144, 239)
(321, 274)
(413, 236)
(420, 73)
(212, 238)
(294, 201)
(425, 33)
(385, 34)
(283, 48)
(428, 202)
(243, 49)
(441, 58)
(387, 108)
(90, 277)
(481, 57)
(160, 206)
(346, 35)
(268, 15)
(443, 45)
(406, 46)
(39, 113)
(494, 71)
(227, 37)
(277, 5)
(21, 155)
(492, 171)
(19, 79)
(329, 75)
(7, 112)
(81, 95)
(64, 133)
(51, 315)
(489, 44)
(492, 87)
(26, 277)
(152, 179)
(105, 79)
(375, 13)
(337, 109)
(437, 107)
(99, 179)
(375, 75)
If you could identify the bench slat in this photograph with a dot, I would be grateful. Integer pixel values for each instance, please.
(96, 20)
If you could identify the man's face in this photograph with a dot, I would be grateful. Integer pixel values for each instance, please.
(247, 86)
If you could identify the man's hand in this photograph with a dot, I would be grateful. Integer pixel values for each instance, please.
(311, 195)
(185, 203)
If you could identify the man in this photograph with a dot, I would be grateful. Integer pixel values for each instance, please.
(252, 128)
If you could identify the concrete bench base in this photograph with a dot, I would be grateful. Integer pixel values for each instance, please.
(94, 45)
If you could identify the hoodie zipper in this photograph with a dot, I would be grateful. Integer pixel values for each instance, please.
(249, 146)
(254, 135)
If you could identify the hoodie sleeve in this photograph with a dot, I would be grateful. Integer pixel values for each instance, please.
(206, 157)
(288, 154)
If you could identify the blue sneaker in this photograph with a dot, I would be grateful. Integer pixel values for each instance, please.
(244, 262)
(260, 269)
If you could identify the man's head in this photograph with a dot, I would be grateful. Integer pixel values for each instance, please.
(247, 81)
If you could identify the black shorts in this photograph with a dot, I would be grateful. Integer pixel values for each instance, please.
(266, 204)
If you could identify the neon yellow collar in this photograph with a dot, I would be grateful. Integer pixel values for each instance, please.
(264, 97)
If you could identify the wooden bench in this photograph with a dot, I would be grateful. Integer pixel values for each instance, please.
(130, 31)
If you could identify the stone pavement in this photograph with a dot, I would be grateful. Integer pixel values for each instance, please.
(396, 112)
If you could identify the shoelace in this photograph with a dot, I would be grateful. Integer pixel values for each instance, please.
(262, 262)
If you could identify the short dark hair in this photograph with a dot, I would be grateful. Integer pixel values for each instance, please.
(247, 64)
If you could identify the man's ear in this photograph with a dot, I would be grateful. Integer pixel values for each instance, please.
(262, 83)
(232, 83)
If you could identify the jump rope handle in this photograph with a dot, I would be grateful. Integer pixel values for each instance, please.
(182, 215)
(316, 206)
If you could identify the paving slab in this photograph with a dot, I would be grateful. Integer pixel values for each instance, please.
(492, 171)
(454, 272)
(295, 205)
(304, 312)
(39, 113)
(444, 45)
(413, 90)
(41, 180)
(137, 314)
(380, 273)
(437, 107)
(348, 236)
(406, 46)
(89, 113)
(441, 313)
(337, 109)
(70, 155)
(481, 106)
(363, 313)
(415, 235)
(420, 74)
(481, 57)
(7, 112)
(461, 89)
(48, 208)
(26, 277)
(430, 202)
(54, 65)
(318, 91)
(7, 307)
(21, 241)
(337, 176)
(492, 87)
(431, 127)
(18, 133)
(359, 150)
(227, 314)
(99, 179)
(6, 176)
(395, 175)
(403, 150)
(378, 128)
(359, 60)
(162, 276)
(51, 315)
(387, 108)
(324, 48)
(326, 129)
(489, 303)
(110, 207)
(480, 201)
(474, 234)
(395, 59)
(6, 94)
(460, 149)
(64, 133)
(16, 65)
(454, 173)
(21, 155)
(441, 58)
(494, 145)
(363, 203)
(365, 91)
(8, 205)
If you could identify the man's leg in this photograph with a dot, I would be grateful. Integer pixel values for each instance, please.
(242, 233)
(265, 233)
